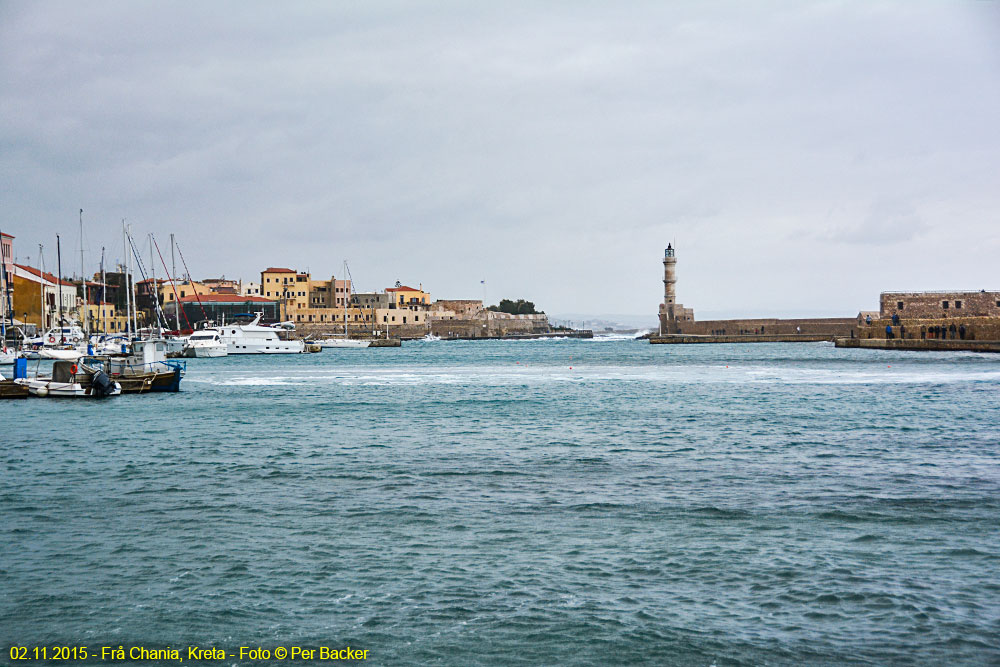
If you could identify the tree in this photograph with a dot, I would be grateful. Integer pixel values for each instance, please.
(519, 307)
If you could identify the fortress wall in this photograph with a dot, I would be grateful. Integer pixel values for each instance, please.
(833, 326)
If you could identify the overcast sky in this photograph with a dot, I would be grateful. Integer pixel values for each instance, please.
(803, 156)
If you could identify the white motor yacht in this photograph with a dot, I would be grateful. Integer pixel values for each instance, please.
(206, 344)
(254, 338)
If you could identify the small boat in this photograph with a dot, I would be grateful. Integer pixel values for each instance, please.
(71, 380)
(146, 369)
(340, 340)
(7, 356)
(206, 344)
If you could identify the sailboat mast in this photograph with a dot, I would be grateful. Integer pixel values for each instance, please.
(62, 337)
(128, 301)
(83, 278)
(156, 290)
(3, 292)
(104, 295)
(131, 273)
(177, 302)
(41, 291)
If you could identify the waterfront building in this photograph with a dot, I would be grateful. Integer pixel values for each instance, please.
(250, 288)
(930, 305)
(202, 308)
(32, 287)
(104, 317)
(408, 297)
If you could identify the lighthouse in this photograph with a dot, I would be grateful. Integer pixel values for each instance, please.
(672, 314)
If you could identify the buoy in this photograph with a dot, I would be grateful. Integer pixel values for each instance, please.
(42, 391)
(72, 369)
(52, 339)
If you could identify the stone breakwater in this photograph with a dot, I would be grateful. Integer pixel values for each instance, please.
(918, 344)
(683, 339)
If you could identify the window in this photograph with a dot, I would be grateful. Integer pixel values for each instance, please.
(958, 304)
(899, 305)
(944, 304)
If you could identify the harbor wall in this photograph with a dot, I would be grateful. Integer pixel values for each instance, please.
(976, 328)
(919, 345)
(824, 326)
(683, 339)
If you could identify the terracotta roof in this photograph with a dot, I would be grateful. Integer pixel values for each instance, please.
(224, 298)
(278, 270)
(44, 275)
(402, 288)
(6, 235)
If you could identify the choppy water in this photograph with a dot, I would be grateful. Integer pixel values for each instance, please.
(537, 502)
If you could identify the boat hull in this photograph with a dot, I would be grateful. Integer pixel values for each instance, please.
(350, 343)
(206, 352)
(149, 382)
(46, 389)
(11, 389)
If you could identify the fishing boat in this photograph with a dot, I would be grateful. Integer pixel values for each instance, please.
(254, 338)
(206, 344)
(71, 379)
(146, 368)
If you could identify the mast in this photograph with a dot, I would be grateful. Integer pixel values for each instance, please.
(104, 295)
(131, 275)
(3, 291)
(173, 271)
(128, 290)
(62, 336)
(345, 296)
(156, 290)
(83, 279)
(41, 291)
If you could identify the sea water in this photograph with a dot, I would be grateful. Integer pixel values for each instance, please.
(532, 502)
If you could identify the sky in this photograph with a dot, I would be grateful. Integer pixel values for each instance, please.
(801, 156)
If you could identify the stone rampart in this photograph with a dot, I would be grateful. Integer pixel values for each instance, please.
(928, 305)
(826, 326)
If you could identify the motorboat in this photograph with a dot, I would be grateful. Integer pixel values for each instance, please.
(340, 340)
(72, 379)
(206, 344)
(59, 336)
(254, 338)
(176, 345)
(146, 368)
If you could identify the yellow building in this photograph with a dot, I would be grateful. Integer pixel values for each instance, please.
(183, 288)
(408, 297)
(104, 317)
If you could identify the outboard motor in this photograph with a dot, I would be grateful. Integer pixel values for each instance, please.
(102, 384)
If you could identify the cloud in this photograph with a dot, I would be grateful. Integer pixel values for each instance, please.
(551, 148)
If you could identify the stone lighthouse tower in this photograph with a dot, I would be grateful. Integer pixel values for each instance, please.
(672, 314)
